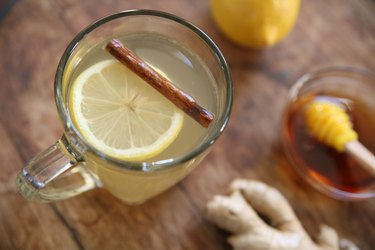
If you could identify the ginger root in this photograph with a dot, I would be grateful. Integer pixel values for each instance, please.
(238, 214)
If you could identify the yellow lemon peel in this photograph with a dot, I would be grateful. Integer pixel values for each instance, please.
(255, 23)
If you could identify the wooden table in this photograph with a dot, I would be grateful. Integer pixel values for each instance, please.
(33, 36)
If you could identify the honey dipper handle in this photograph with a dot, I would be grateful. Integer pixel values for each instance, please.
(362, 155)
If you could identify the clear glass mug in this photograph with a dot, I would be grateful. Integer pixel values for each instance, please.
(72, 166)
(334, 174)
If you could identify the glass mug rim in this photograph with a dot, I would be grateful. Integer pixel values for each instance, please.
(151, 165)
(293, 95)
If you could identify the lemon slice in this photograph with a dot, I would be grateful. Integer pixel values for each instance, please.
(120, 114)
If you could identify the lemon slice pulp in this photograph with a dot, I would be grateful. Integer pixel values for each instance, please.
(121, 115)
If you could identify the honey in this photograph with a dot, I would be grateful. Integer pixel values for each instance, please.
(321, 163)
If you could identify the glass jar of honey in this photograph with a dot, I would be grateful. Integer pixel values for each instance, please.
(335, 174)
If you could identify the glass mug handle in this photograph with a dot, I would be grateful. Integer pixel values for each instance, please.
(55, 174)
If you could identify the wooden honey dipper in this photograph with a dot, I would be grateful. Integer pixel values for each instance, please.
(331, 125)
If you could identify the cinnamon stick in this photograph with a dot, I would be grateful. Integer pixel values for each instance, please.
(176, 95)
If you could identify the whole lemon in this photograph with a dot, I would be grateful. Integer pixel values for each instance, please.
(255, 23)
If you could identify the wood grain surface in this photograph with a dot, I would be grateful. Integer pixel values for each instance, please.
(33, 36)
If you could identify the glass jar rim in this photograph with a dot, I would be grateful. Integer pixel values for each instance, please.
(161, 164)
(306, 78)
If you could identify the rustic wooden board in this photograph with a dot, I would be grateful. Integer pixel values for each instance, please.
(33, 36)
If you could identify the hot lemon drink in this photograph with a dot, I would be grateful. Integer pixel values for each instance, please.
(122, 116)
(133, 127)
